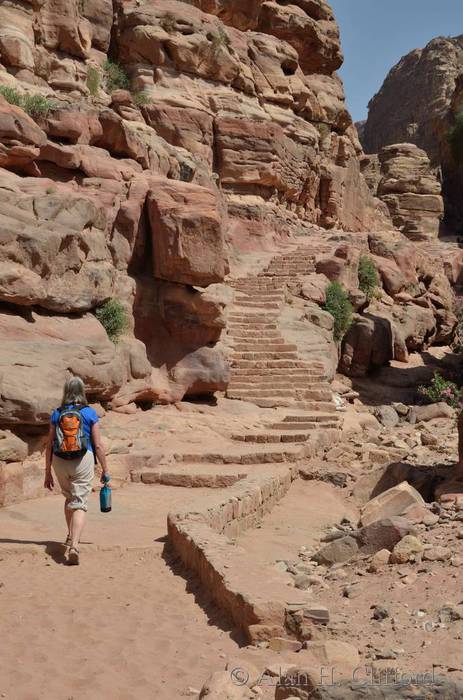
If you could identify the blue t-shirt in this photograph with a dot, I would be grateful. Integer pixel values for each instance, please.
(89, 418)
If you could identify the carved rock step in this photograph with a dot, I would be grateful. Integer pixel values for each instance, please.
(259, 355)
(322, 406)
(261, 295)
(191, 475)
(252, 319)
(236, 326)
(256, 305)
(317, 416)
(299, 383)
(255, 392)
(275, 364)
(327, 422)
(267, 376)
(243, 455)
(259, 334)
(290, 267)
(252, 346)
(289, 436)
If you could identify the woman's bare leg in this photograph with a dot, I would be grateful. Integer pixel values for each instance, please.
(68, 515)
(77, 525)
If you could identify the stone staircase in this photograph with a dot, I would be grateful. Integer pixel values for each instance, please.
(268, 371)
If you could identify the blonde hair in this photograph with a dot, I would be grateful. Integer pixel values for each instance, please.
(74, 392)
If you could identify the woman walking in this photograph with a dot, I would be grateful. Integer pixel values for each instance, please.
(74, 440)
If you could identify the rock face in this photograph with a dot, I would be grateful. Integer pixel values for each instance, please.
(212, 128)
(417, 104)
(401, 176)
(411, 307)
(409, 103)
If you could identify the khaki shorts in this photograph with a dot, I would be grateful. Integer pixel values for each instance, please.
(75, 478)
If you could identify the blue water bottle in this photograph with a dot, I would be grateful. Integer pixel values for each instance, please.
(105, 495)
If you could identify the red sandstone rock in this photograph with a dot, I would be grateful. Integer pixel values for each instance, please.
(186, 233)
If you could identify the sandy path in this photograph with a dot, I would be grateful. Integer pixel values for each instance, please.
(122, 625)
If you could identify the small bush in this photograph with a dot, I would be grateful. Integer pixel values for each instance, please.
(141, 98)
(168, 23)
(37, 105)
(338, 305)
(186, 172)
(219, 39)
(34, 105)
(115, 76)
(323, 129)
(367, 276)
(113, 318)
(93, 80)
(455, 138)
(440, 389)
(11, 95)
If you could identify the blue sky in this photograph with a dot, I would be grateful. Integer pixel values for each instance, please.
(375, 34)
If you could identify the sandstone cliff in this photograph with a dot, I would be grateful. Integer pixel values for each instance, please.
(140, 144)
(417, 104)
(401, 176)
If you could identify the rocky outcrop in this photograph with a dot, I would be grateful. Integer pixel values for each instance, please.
(417, 104)
(409, 104)
(140, 144)
(401, 176)
(410, 309)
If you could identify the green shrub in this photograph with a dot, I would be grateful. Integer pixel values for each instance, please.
(440, 389)
(455, 138)
(219, 39)
(93, 80)
(338, 305)
(116, 77)
(323, 129)
(34, 105)
(11, 95)
(186, 172)
(367, 276)
(113, 318)
(37, 105)
(141, 98)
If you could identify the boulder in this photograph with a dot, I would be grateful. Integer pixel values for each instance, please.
(187, 236)
(12, 448)
(406, 550)
(330, 654)
(432, 412)
(368, 344)
(379, 560)
(222, 686)
(387, 416)
(20, 138)
(337, 551)
(398, 500)
(383, 534)
(437, 553)
(39, 351)
(410, 190)
(429, 686)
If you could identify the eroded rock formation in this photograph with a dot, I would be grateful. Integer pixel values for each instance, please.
(212, 127)
(417, 103)
(401, 176)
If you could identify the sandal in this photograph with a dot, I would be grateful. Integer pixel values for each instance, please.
(68, 541)
(73, 556)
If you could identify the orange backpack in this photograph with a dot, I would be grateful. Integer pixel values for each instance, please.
(70, 441)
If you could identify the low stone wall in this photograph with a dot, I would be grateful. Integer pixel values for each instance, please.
(255, 598)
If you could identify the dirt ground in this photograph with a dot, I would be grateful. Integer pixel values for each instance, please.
(123, 625)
